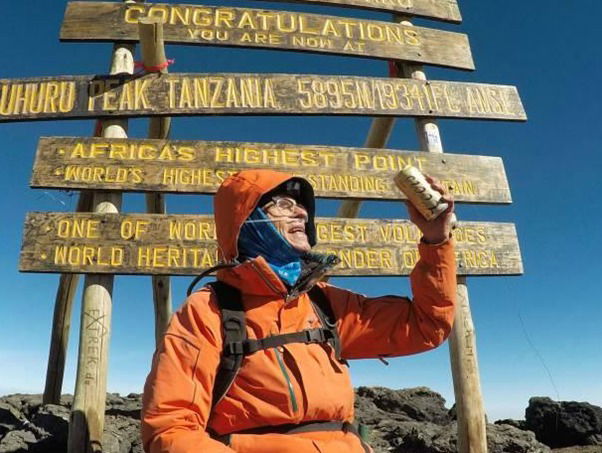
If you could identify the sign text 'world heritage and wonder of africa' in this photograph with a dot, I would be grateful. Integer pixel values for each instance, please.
(186, 245)
(285, 30)
(201, 166)
(69, 97)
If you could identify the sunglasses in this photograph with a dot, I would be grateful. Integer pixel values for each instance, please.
(284, 206)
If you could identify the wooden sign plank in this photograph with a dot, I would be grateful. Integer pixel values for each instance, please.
(284, 30)
(70, 97)
(444, 10)
(185, 245)
(201, 166)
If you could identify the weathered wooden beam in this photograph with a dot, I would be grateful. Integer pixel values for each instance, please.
(472, 436)
(71, 97)
(472, 422)
(284, 30)
(201, 166)
(86, 422)
(61, 323)
(152, 48)
(378, 136)
(185, 245)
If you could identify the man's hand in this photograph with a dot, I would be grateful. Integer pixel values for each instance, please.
(439, 229)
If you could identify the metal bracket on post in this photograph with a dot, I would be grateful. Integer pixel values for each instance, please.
(152, 48)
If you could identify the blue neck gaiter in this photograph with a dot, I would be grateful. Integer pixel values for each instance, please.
(259, 237)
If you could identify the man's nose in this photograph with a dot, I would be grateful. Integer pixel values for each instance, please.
(300, 213)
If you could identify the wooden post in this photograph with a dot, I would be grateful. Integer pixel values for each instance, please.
(472, 435)
(88, 410)
(152, 48)
(378, 136)
(462, 343)
(61, 324)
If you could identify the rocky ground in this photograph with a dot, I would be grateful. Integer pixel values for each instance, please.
(400, 421)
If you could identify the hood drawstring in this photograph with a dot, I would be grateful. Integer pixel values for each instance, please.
(259, 237)
(203, 274)
(314, 267)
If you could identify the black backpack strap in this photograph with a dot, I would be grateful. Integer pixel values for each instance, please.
(237, 345)
(234, 332)
(326, 315)
(249, 346)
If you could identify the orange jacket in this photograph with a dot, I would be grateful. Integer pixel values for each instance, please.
(293, 383)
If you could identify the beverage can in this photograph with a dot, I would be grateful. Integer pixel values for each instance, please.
(420, 193)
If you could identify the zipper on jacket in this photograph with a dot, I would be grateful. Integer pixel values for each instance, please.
(269, 283)
(287, 378)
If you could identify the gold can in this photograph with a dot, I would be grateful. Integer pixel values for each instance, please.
(420, 193)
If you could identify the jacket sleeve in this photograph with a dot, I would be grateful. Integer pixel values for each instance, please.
(393, 325)
(178, 391)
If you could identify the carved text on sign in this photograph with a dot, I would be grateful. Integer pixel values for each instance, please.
(185, 245)
(201, 166)
(446, 10)
(285, 30)
(242, 94)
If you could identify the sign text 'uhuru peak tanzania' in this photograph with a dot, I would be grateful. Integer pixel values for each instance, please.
(251, 94)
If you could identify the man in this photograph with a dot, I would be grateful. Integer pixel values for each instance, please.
(296, 397)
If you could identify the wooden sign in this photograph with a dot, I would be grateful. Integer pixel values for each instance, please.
(445, 10)
(244, 27)
(185, 245)
(201, 166)
(154, 94)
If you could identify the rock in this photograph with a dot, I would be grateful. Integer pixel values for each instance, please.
(128, 406)
(422, 437)
(121, 435)
(564, 424)
(589, 449)
(368, 413)
(520, 424)
(9, 418)
(502, 438)
(416, 421)
(425, 437)
(398, 421)
(54, 420)
(27, 404)
(420, 403)
(17, 441)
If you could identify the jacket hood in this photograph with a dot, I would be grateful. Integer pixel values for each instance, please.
(238, 196)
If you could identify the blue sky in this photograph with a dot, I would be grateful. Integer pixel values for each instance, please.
(537, 334)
